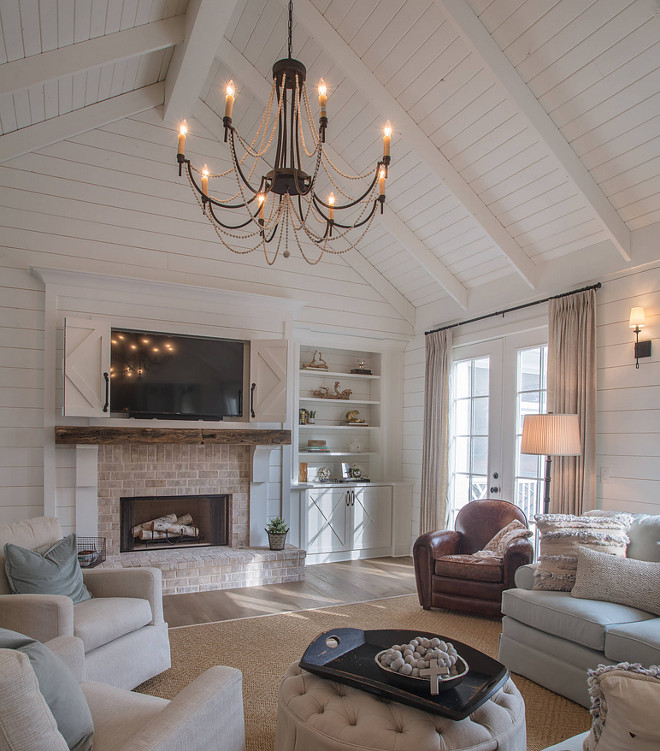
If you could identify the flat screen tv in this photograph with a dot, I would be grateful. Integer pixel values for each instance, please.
(173, 377)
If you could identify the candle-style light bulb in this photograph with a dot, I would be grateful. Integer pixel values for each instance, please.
(262, 200)
(182, 136)
(381, 181)
(387, 138)
(323, 98)
(331, 207)
(229, 98)
(205, 180)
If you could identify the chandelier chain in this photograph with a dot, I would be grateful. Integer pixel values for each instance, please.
(290, 30)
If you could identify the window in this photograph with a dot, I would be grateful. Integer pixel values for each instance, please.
(469, 437)
(531, 399)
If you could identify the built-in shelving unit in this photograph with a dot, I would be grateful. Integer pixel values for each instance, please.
(330, 423)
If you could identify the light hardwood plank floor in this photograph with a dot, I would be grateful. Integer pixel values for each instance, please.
(325, 584)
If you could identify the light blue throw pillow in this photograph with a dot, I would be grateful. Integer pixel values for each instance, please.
(53, 570)
(59, 687)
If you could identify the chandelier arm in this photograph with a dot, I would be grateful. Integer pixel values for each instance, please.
(363, 222)
(352, 203)
(300, 120)
(227, 226)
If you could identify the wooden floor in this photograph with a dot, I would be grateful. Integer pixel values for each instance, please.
(325, 584)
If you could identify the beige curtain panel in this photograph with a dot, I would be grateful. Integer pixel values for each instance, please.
(435, 452)
(572, 390)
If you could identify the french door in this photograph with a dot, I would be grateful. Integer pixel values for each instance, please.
(493, 385)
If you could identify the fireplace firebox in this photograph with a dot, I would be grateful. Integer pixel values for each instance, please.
(163, 522)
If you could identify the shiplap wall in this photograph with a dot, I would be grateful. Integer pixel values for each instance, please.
(629, 399)
(110, 202)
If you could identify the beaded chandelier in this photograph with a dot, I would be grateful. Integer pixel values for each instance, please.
(285, 204)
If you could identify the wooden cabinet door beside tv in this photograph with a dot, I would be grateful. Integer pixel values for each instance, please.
(87, 372)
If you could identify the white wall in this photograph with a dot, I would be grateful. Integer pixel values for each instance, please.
(628, 420)
(628, 399)
(110, 202)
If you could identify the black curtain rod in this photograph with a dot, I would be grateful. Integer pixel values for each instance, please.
(517, 307)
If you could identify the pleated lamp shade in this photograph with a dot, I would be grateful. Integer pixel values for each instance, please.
(551, 435)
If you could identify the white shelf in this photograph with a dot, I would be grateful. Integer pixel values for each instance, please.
(316, 426)
(336, 453)
(318, 400)
(334, 374)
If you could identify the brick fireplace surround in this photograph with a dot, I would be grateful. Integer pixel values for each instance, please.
(134, 469)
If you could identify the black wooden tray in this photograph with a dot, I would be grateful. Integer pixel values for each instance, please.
(351, 661)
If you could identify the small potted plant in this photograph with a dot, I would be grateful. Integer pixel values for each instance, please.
(311, 417)
(277, 531)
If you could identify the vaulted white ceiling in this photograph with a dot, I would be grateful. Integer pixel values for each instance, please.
(526, 132)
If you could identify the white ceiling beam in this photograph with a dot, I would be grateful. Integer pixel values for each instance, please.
(31, 71)
(432, 265)
(59, 128)
(252, 79)
(206, 21)
(482, 44)
(373, 90)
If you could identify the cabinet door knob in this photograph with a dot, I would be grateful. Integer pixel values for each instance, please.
(495, 490)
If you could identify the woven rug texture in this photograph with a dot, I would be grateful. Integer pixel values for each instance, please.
(263, 647)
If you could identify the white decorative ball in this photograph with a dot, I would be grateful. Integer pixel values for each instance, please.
(406, 669)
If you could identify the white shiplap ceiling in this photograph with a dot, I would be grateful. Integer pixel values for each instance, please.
(526, 132)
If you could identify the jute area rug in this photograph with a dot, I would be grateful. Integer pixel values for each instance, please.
(263, 647)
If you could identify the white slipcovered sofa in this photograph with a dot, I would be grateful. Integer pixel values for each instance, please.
(206, 715)
(553, 638)
(122, 628)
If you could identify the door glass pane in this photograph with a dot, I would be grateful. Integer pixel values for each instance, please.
(469, 401)
(530, 400)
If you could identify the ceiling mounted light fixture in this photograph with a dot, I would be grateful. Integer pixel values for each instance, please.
(286, 202)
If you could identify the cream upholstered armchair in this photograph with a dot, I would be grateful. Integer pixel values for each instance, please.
(206, 715)
(122, 628)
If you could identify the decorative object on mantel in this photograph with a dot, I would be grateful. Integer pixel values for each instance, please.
(285, 203)
(323, 474)
(324, 393)
(100, 434)
(277, 530)
(361, 369)
(302, 472)
(353, 419)
(315, 364)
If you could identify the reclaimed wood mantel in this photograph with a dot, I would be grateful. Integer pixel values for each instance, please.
(102, 434)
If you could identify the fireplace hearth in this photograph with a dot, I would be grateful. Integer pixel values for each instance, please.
(164, 522)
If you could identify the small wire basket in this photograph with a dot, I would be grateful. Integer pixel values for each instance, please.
(91, 551)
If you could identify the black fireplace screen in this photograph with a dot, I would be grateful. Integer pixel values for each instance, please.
(161, 522)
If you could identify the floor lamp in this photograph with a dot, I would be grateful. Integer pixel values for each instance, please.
(550, 435)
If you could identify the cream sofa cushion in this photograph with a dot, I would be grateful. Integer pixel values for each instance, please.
(101, 620)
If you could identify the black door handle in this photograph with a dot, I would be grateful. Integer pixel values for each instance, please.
(106, 406)
(252, 388)
(494, 490)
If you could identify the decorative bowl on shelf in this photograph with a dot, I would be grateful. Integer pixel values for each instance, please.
(423, 683)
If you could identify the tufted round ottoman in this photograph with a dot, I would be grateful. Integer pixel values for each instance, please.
(315, 714)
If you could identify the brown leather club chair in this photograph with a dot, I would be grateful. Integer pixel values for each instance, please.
(447, 576)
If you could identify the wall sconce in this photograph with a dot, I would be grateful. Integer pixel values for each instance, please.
(637, 323)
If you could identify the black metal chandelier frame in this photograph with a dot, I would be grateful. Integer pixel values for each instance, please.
(295, 201)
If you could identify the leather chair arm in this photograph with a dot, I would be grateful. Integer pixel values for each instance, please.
(143, 583)
(426, 549)
(42, 617)
(517, 553)
(442, 542)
